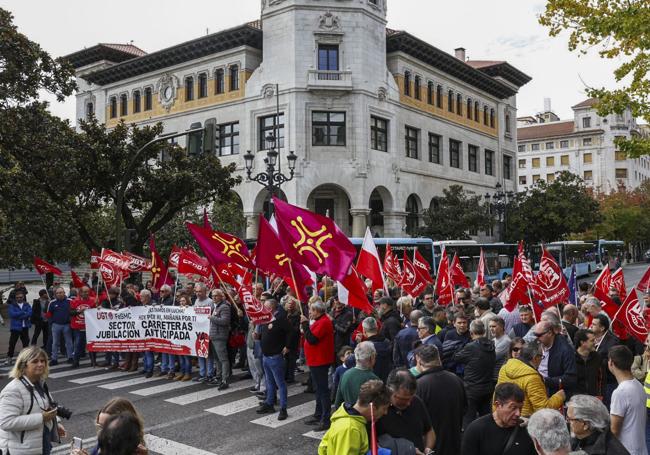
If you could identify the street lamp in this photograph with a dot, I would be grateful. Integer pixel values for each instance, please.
(498, 203)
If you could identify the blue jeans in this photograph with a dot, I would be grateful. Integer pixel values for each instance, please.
(148, 361)
(57, 330)
(79, 337)
(209, 363)
(112, 358)
(168, 363)
(319, 377)
(274, 368)
(186, 364)
(647, 430)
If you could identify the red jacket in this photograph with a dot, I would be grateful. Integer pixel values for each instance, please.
(321, 353)
(78, 322)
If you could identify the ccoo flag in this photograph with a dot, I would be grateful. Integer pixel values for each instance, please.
(444, 288)
(618, 283)
(551, 287)
(480, 271)
(43, 267)
(314, 240)
(457, 273)
(631, 316)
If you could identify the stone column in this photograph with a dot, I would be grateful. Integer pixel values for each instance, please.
(252, 224)
(359, 221)
(394, 224)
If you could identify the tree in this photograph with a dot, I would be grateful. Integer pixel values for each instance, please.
(620, 30)
(454, 215)
(549, 212)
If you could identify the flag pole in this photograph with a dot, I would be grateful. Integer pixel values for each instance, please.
(175, 286)
(225, 289)
(256, 272)
(373, 430)
(295, 286)
(45, 286)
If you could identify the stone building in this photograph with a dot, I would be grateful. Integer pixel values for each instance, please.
(381, 121)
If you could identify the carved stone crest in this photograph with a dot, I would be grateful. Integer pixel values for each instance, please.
(382, 94)
(167, 87)
(329, 22)
(268, 91)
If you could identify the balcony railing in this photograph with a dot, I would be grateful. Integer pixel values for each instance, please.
(330, 80)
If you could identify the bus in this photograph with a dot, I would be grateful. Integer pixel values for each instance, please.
(567, 254)
(499, 257)
(611, 252)
(399, 246)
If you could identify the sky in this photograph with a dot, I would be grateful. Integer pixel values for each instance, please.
(499, 30)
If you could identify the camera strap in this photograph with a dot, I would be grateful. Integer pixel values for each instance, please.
(30, 389)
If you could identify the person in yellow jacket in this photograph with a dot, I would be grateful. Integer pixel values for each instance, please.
(523, 372)
(347, 434)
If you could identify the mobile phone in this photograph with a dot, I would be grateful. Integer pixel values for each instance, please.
(77, 443)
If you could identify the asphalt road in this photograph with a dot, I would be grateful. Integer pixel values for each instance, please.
(190, 418)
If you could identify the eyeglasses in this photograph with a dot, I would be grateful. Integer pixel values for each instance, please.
(539, 335)
(516, 349)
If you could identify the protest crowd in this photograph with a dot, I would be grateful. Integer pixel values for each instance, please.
(399, 362)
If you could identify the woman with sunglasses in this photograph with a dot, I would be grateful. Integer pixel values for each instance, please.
(516, 344)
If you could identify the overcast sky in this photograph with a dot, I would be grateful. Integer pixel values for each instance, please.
(500, 30)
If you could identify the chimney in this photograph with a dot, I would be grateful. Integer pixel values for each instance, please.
(460, 53)
(547, 105)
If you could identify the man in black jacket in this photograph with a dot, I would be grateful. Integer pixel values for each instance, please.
(384, 358)
(558, 365)
(590, 375)
(39, 308)
(444, 396)
(342, 318)
(604, 341)
(479, 359)
(391, 323)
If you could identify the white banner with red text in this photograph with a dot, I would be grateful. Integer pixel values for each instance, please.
(167, 329)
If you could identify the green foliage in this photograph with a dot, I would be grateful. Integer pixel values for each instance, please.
(549, 212)
(454, 215)
(619, 29)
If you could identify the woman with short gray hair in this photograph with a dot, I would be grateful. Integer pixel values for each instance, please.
(589, 422)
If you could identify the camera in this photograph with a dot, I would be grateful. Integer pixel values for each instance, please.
(62, 411)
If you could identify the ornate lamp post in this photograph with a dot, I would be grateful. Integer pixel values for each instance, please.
(498, 203)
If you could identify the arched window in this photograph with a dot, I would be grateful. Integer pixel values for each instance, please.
(439, 96)
(113, 107)
(234, 78)
(459, 104)
(124, 106)
(189, 88)
(486, 115)
(417, 88)
(90, 110)
(430, 92)
(219, 86)
(477, 112)
(450, 101)
(136, 102)
(469, 108)
(491, 118)
(412, 215)
(508, 123)
(148, 99)
(407, 83)
(203, 85)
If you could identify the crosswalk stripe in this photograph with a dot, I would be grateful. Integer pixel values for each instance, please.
(315, 434)
(246, 403)
(78, 371)
(295, 413)
(127, 383)
(101, 377)
(168, 447)
(208, 393)
(63, 365)
(172, 385)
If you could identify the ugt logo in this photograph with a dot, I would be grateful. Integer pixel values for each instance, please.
(311, 241)
(230, 247)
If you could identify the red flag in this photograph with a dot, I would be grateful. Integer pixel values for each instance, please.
(137, 263)
(256, 311)
(601, 292)
(94, 260)
(644, 284)
(422, 267)
(314, 240)
(159, 274)
(631, 316)
(480, 271)
(220, 247)
(352, 291)
(618, 283)
(221, 273)
(411, 280)
(391, 265)
(519, 290)
(457, 274)
(174, 256)
(191, 263)
(76, 281)
(43, 267)
(444, 288)
(369, 264)
(552, 288)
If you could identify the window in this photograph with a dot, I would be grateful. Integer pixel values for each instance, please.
(587, 158)
(535, 178)
(477, 112)
(434, 148)
(90, 110)
(228, 139)
(550, 178)
(534, 147)
(522, 180)
(536, 163)
(459, 104)
(124, 107)
(472, 158)
(468, 108)
(328, 128)
(489, 162)
(522, 164)
(508, 124)
(586, 122)
(136, 102)
(407, 83)
(550, 161)
(521, 148)
(430, 92)
(588, 175)
(328, 57)
(203, 85)
(417, 87)
(148, 99)
(454, 153)
(486, 118)
(586, 142)
(620, 156)
(564, 160)
(550, 145)
(189, 88)
(450, 101)
(439, 96)
(507, 167)
(621, 173)
(412, 217)
(219, 85)
(379, 134)
(268, 126)
(491, 118)
(411, 142)
(234, 78)
(564, 144)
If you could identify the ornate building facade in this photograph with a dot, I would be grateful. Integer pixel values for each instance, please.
(380, 120)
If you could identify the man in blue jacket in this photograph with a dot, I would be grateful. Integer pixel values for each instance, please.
(59, 314)
(558, 366)
(20, 313)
